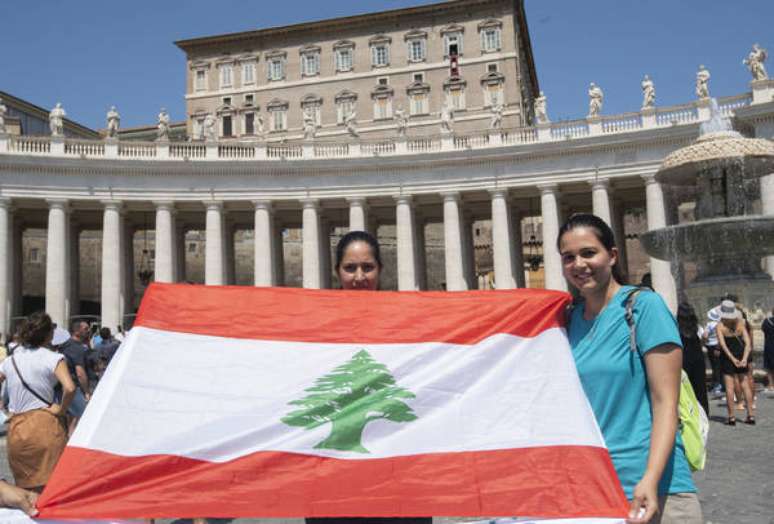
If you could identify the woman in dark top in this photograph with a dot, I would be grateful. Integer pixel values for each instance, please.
(358, 266)
(768, 348)
(693, 357)
(735, 346)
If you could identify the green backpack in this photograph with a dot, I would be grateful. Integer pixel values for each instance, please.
(694, 424)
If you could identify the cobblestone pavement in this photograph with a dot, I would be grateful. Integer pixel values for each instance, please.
(737, 486)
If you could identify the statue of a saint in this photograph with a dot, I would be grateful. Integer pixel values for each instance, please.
(648, 92)
(208, 129)
(496, 121)
(596, 97)
(351, 122)
(259, 129)
(401, 122)
(540, 107)
(754, 62)
(310, 126)
(162, 132)
(56, 120)
(113, 122)
(447, 119)
(702, 82)
(3, 111)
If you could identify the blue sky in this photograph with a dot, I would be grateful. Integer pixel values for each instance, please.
(90, 54)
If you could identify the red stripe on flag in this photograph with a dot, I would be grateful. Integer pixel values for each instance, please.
(557, 481)
(336, 316)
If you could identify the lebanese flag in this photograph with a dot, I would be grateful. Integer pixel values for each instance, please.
(279, 402)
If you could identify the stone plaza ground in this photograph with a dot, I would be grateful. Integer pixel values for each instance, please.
(737, 486)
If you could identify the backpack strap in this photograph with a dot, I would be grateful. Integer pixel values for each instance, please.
(631, 296)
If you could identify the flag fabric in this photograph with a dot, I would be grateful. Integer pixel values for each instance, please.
(279, 402)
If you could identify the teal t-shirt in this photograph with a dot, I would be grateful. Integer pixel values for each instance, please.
(616, 384)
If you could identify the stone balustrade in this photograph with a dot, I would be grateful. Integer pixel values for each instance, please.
(232, 150)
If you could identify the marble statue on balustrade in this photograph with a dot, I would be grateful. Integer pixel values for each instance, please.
(648, 93)
(702, 82)
(447, 120)
(496, 121)
(541, 109)
(113, 122)
(210, 134)
(260, 131)
(56, 120)
(310, 126)
(596, 97)
(401, 122)
(162, 133)
(351, 122)
(3, 111)
(754, 62)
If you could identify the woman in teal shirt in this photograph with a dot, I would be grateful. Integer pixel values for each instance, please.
(633, 394)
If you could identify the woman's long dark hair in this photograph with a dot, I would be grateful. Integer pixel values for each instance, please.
(600, 229)
(358, 236)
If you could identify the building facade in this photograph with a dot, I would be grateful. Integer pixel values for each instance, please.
(468, 55)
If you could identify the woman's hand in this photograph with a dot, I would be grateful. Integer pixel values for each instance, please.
(742, 363)
(55, 409)
(644, 503)
(14, 497)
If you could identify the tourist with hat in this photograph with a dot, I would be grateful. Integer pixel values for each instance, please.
(709, 338)
(734, 341)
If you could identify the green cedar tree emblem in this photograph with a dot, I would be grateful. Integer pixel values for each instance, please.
(350, 397)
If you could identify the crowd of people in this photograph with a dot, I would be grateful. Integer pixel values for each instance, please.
(629, 351)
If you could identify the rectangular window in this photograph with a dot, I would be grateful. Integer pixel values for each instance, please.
(490, 39)
(491, 68)
(382, 108)
(453, 43)
(248, 74)
(419, 104)
(226, 100)
(192, 247)
(416, 50)
(225, 75)
(249, 123)
(380, 55)
(249, 100)
(344, 59)
(419, 78)
(276, 69)
(278, 120)
(456, 99)
(345, 108)
(198, 128)
(201, 79)
(383, 80)
(227, 127)
(494, 94)
(34, 254)
(310, 64)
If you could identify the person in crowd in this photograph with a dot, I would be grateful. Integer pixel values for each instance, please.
(15, 497)
(633, 392)
(120, 334)
(94, 339)
(709, 338)
(108, 346)
(359, 266)
(734, 340)
(74, 351)
(693, 356)
(740, 405)
(37, 432)
(767, 326)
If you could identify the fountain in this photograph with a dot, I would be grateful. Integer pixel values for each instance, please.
(729, 236)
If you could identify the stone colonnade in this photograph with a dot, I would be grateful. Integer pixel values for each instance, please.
(116, 274)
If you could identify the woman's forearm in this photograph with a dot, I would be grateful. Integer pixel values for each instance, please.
(662, 438)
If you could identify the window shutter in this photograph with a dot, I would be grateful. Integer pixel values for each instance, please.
(483, 40)
(373, 56)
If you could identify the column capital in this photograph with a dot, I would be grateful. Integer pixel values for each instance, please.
(404, 199)
(214, 205)
(548, 189)
(6, 202)
(358, 200)
(112, 204)
(263, 204)
(600, 183)
(499, 193)
(164, 205)
(650, 178)
(58, 203)
(311, 203)
(451, 196)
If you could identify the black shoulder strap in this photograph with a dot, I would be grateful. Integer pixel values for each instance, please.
(26, 386)
(631, 296)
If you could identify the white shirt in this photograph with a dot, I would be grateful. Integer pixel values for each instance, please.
(37, 366)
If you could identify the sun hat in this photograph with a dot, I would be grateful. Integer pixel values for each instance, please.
(714, 314)
(61, 335)
(728, 310)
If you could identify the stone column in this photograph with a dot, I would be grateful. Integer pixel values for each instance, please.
(405, 225)
(214, 254)
(57, 261)
(312, 266)
(502, 241)
(358, 215)
(660, 270)
(164, 270)
(453, 248)
(552, 261)
(767, 207)
(7, 255)
(112, 264)
(600, 198)
(279, 254)
(265, 245)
